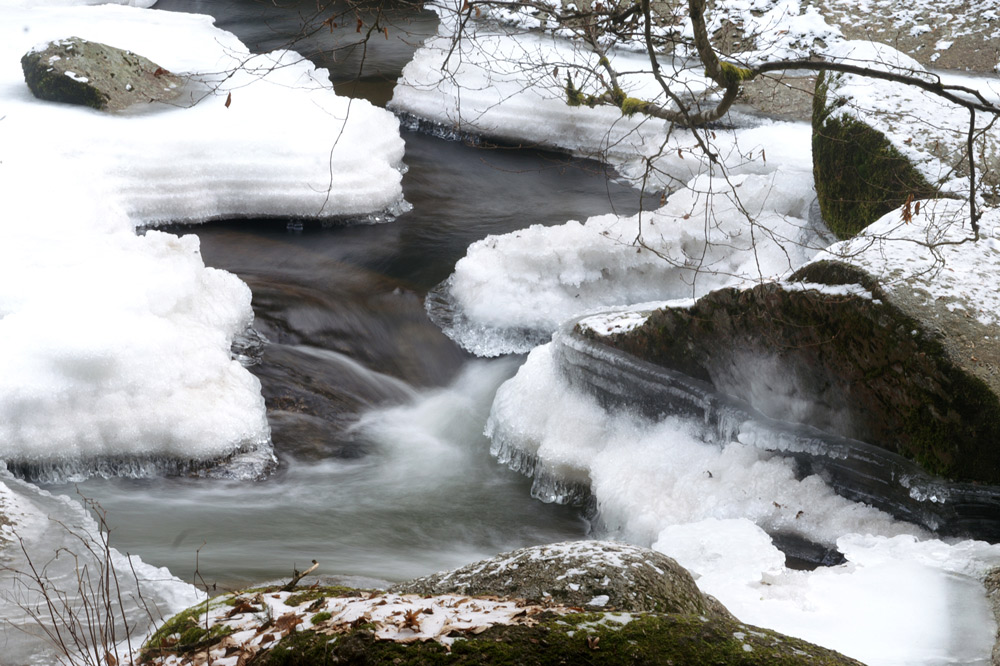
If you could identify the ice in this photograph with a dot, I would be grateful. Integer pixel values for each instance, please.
(713, 233)
(115, 346)
(59, 538)
(903, 597)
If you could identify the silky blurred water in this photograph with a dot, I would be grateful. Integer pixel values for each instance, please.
(376, 416)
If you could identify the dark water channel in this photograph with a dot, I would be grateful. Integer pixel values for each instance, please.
(376, 416)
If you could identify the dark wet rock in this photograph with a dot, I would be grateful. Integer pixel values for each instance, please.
(865, 362)
(76, 71)
(602, 575)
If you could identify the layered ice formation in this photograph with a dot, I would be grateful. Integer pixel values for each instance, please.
(902, 597)
(51, 583)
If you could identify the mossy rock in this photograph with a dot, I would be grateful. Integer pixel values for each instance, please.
(77, 71)
(597, 574)
(585, 638)
(860, 175)
(851, 364)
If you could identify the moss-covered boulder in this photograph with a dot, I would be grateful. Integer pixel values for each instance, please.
(77, 71)
(877, 144)
(340, 626)
(884, 340)
(595, 574)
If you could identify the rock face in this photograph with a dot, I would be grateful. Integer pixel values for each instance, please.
(75, 71)
(878, 143)
(593, 574)
(877, 342)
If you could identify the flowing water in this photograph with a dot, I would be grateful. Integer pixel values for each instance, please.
(376, 417)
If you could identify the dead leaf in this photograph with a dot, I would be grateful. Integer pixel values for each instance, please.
(907, 210)
(229, 99)
(592, 642)
(287, 622)
(361, 24)
(242, 606)
(410, 620)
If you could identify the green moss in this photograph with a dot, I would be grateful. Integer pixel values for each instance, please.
(574, 97)
(860, 176)
(321, 617)
(313, 593)
(651, 639)
(734, 74)
(185, 631)
(631, 106)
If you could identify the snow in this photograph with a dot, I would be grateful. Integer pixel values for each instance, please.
(48, 526)
(512, 291)
(258, 621)
(902, 598)
(959, 272)
(116, 345)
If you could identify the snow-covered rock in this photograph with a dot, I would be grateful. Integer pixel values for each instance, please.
(877, 143)
(603, 575)
(891, 339)
(75, 71)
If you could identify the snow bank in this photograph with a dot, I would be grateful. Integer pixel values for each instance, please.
(74, 3)
(901, 598)
(285, 146)
(114, 346)
(510, 292)
(511, 86)
(770, 29)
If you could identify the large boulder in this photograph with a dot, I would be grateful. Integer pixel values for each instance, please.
(602, 575)
(878, 143)
(892, 338)
(341, 626)
(76, 71)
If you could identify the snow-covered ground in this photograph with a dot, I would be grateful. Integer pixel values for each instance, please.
(116, 345)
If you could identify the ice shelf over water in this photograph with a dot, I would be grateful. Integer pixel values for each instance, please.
(115, 346)
(512, 291)
(60, 539)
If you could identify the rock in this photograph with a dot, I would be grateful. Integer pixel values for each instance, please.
(877, 143)
(338, 625)
(992, 584)
(594, 574)
(882, 340)
(75, 71)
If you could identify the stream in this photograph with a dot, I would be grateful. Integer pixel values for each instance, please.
(376, 417)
